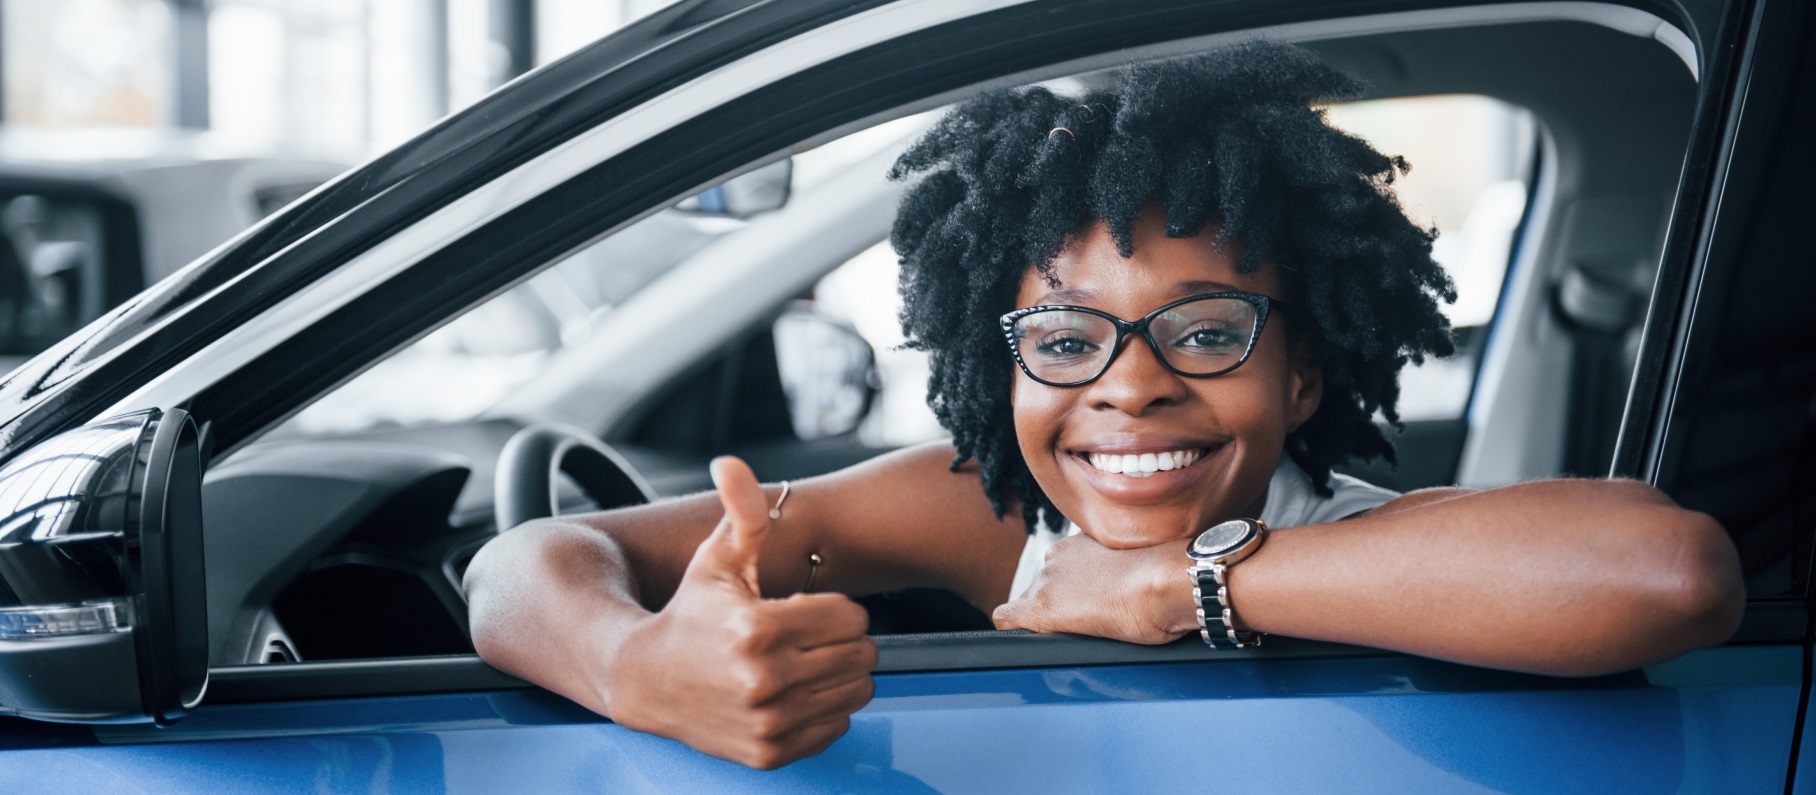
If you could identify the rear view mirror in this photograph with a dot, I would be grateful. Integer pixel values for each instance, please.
(103, 614)
(759, 190)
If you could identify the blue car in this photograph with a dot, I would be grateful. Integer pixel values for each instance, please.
(235, 510)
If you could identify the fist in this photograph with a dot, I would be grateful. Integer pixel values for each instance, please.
(1086, 588)
(758, 681)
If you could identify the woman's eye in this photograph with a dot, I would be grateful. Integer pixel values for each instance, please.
(1209, 338)
(1064, 346)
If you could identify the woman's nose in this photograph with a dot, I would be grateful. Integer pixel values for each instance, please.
(1136, 381)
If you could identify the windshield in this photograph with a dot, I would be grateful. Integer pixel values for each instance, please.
(463, 369)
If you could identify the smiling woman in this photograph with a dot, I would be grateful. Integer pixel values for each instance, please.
(1228, 146)
(1207, 294)
(1232, 421)
(1142, 458)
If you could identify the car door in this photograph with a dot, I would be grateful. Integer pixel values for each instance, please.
(960, 711)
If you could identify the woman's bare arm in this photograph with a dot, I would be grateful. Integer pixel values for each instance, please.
(1571, 577)
(655, 618)
(897, 521)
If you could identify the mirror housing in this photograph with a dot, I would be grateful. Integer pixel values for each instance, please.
(828, 372)
(103, 609)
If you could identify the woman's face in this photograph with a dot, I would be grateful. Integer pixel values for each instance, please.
(1236, 423)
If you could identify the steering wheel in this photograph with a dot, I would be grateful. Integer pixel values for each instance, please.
(527, 484)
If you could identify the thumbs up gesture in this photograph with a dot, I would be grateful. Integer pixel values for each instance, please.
(758, 681)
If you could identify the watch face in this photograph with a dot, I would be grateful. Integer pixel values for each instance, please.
(1221, 538)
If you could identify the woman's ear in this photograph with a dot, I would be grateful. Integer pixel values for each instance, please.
(1306, 385)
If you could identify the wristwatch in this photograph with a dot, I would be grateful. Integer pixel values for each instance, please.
(1214, 551)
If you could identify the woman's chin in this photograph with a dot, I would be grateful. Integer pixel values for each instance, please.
(1138, 538)
(1123, 511)
(1120, 526)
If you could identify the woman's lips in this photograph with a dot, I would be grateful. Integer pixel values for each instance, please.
(1149, 481)
(1143, 464)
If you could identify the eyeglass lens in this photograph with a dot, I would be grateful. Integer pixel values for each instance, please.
(1203, 337)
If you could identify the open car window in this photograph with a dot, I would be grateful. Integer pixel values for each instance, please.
(813, 379)
(694, 331)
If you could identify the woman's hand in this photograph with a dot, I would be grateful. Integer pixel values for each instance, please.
(758, 681)
(1135, 595)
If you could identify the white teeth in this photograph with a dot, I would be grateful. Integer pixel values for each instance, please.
(1144, 464)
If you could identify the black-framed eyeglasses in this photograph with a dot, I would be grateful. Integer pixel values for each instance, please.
(1198, 337)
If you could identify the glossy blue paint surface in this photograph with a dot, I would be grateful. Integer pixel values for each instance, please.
(1716, 720)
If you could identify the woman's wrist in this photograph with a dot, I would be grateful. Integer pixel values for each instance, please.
(614, 662)
(1168, 589)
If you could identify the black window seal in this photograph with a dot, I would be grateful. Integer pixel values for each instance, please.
(1764, 623)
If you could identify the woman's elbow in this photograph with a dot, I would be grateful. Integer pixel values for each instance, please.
(1705, 593)
(1693, 575)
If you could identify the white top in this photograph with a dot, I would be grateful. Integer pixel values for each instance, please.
(1291, 502)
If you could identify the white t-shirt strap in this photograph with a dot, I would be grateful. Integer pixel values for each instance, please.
(1291, 502)
(1034, 555)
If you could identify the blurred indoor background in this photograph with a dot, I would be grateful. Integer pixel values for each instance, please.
(337, 79)
(136, 135)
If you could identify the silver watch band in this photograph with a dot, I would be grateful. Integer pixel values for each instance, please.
(1215, 621)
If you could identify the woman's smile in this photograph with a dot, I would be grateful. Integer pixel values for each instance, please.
(1140, 468)
(1141, 465)
(1147, 481)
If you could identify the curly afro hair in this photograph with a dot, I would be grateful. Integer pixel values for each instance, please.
(1231, 138)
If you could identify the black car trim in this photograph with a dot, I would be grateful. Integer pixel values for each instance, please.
(924, 653)
(1706, 165)
(1747, 156)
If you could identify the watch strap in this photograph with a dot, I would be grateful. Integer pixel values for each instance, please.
(1216, 620)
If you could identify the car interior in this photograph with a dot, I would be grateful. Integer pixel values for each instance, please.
(339, 535)
(63, 259)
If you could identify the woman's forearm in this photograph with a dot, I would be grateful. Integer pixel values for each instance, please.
(1573, 577)
(718, 667)
(547, 600)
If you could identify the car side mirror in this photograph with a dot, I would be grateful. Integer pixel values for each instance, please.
(828, 373)
(103, 610)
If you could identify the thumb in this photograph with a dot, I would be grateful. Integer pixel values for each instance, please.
(730, 553)
(1011, 615)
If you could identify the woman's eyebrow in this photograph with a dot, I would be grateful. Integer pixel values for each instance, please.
(1193, 288)
(1066, 297)
(1179, 290)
